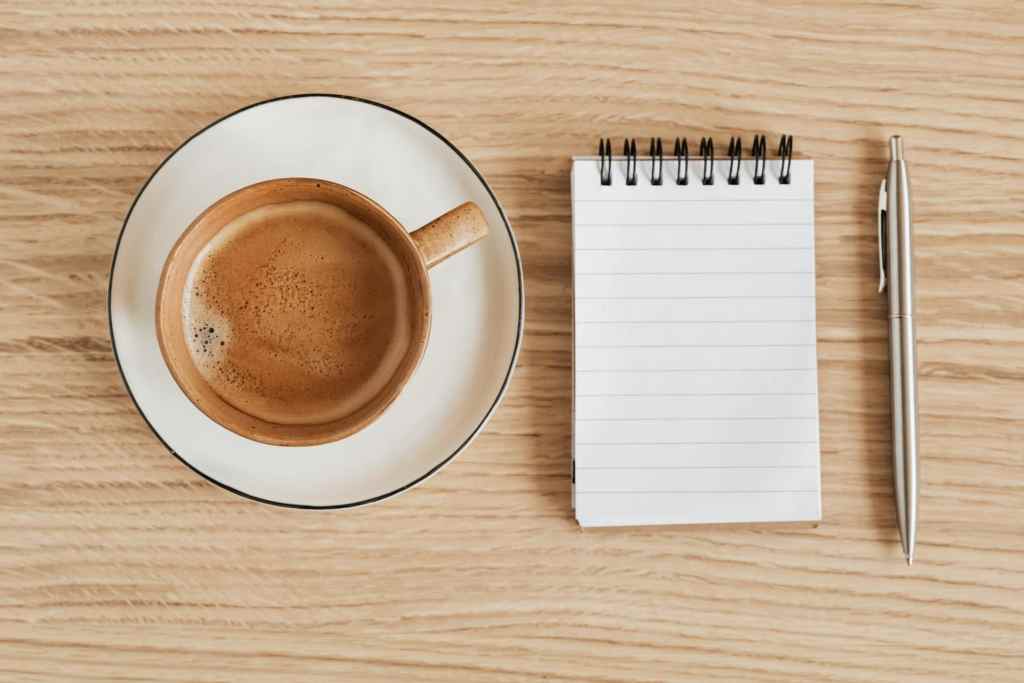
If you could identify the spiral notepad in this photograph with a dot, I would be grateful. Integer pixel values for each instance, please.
(695, 395)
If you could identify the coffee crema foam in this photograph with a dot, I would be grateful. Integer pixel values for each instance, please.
(297, 313)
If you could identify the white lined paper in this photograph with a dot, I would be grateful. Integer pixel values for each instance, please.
(695, 364)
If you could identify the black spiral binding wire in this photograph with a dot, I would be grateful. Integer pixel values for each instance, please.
(707, 151)
(682, 153)
(657, 161)
(785, 158)
(604, 149)
(735, 156)
(760, 154)
(629, 151)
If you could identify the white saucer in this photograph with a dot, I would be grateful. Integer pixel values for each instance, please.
(478, 298)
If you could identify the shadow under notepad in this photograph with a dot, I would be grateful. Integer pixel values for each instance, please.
(545, 365)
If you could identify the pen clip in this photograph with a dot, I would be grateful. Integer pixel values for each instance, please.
(882, 235)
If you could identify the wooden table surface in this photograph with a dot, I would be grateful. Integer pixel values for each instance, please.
(117, 563)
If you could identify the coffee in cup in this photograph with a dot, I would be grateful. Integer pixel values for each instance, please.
(294, 311)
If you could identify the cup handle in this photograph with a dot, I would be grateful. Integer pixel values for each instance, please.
(450, 233)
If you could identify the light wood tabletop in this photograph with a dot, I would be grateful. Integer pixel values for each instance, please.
(118, 563)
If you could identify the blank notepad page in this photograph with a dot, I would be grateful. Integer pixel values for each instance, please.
(695, 366)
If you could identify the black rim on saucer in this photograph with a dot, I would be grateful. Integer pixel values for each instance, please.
(490, 410)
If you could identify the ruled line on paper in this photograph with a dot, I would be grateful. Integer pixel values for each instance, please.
(634, 492)
(735, 393)
(753, 321)
(685, 298)
(689, 442)
(709, 226)
(697, 201)
(617, 250)
(686, 226)
(696, 322)
(700, 273)
(693, 346)
(704, 467)
(661, 370)
(770, 418)
(703, 272)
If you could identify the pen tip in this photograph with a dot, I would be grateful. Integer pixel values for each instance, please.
(910, 560)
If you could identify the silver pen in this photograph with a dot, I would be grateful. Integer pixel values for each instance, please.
(896, 272)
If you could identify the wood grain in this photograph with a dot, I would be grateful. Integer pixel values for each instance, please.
(119, 564)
